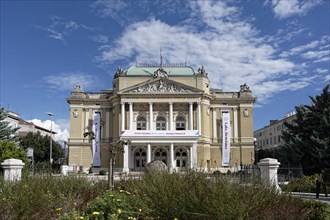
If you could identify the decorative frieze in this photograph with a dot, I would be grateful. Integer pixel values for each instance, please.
(160, 86)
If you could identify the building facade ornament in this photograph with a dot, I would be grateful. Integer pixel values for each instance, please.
(160, 73)
(245, 88)
(119, 72)
(160, 86)
(78, 88)
(202, 71)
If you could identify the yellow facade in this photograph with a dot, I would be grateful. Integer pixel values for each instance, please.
(161, 113)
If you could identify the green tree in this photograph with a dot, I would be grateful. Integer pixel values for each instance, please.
(6, 131)
(41, 147)
(9, 149)
(307, 139)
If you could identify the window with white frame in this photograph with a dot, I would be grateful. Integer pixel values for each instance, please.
(161, 123)
(180, 123)
(141, 123)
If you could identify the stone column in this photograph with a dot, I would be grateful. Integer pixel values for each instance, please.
(199, 119)
(215, 138)
(126, 158)
(86, 119)
(107, 124)
(235, 125)
(268, 171)
(12, 169)
(193, 158)
(171, 157)
(148, 153)
(122, 116)
(191, 116)
(151, 114)
(130, 116)
(171, 116)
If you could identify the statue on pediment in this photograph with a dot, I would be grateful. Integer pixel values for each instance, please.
(78, 88)
(245, 88)
(160, 73)
(202, 71)
(119, 72)
(160, 86)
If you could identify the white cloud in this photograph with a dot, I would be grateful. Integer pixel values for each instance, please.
(100, 38)
(287, 8)
(319, 70)
(230, 49)
(60, 28)
(315, 54)
(61, 128)
(66, 81)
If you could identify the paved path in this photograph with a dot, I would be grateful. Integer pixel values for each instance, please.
(309, 196)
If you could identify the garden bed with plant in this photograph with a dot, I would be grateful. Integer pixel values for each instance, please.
(153, 196)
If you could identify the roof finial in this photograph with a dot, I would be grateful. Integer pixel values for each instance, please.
(161, 58)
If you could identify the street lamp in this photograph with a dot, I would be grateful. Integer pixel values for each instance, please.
(51, 140)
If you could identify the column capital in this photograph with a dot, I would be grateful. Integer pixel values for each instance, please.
(170, 103)
(150, 103)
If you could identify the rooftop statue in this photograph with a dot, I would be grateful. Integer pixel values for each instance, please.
(245, 88)
(160, 73)
(202, 71)
(78, 88)
(119, 72)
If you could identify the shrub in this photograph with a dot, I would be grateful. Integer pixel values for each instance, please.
(304, 184)
(45, 197)
(103, 172)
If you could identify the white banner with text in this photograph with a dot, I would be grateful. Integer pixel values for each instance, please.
(96, 141)
(226, 139)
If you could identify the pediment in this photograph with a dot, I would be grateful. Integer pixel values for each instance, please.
(160, 86)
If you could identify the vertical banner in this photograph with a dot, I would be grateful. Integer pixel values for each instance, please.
(96, 141)
(226, 139)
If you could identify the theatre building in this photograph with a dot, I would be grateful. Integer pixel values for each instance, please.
(164, 112)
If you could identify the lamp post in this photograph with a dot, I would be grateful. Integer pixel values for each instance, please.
(51, 141)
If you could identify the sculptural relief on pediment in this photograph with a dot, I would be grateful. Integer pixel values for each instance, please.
(160, 86)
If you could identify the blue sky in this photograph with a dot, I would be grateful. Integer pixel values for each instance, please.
(280, 48)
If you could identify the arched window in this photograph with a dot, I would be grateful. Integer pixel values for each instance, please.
(180, 123)
(141, 123)
(161, 123)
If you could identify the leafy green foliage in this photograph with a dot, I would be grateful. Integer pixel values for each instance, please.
(195, 196)
(6, 132)
(41, 147)
(9, 149)
(307, 139)
(46, 197)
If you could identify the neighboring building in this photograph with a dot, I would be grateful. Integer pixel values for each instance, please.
(166, 113)
(25, 126)
(271, 135)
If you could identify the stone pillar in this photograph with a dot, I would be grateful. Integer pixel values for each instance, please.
(235, 125)
(171, 157)
(191, 116)
(122, 116)
(268, 171)
(151, 114)
(148, 153)
(130, 116)
(64, 170)
(126, 158)
(171, 116)
(199, 118)
(12, 169)
(214, 125)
